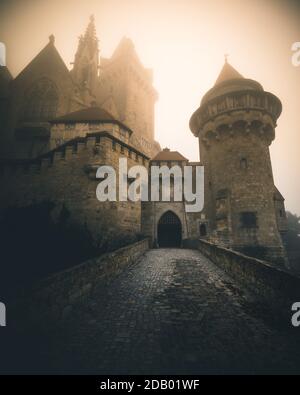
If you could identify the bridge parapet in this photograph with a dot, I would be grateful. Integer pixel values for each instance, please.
(275, 287)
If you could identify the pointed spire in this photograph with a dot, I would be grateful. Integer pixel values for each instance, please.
(227, 73)
(86, 64)
(90, 32)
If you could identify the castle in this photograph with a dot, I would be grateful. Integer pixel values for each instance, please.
(58, 126)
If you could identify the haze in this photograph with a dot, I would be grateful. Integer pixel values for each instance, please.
(184, 42)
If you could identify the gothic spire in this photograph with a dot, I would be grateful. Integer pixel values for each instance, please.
(86, 64)
(90, 32)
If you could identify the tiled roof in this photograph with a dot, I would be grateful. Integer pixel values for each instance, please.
(91, 114)
(86, 115)
(167, 155)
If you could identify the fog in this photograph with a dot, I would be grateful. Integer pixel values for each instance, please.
(184, 42)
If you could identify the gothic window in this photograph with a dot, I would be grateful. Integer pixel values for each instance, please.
(248, 219)
(41, 101)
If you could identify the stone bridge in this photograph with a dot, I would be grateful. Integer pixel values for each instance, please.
(172, 311)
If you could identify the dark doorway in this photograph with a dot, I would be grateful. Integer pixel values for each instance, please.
(169, 230)
(203, 231)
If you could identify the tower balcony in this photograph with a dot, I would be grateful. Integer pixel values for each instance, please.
(248, 107)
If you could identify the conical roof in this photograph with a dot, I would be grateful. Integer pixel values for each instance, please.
(230, 80)
(228, 73)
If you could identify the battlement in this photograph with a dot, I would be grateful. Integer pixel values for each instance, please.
(70, 149)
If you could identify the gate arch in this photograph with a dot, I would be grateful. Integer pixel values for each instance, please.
(169, 230)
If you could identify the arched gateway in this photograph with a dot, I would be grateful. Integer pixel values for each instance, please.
(169, 230)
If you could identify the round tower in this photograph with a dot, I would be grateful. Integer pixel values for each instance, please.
(235, 124)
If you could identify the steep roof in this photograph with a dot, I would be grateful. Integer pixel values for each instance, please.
(228, 73)
(91, 114)
(167, 155)
(125, 46)
(47, 56)
(228, 81)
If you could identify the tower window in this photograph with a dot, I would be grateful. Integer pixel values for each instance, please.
(243, 163)
(248, 219)
(202, 230)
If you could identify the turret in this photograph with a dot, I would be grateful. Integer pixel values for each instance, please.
(235, 125)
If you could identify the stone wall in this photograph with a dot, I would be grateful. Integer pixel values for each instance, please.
(237, 190)
(152, 211)
(66, 176)
(275, 287)
(56, 296)
(126, 89)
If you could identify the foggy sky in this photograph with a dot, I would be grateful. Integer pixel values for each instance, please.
(184, 42)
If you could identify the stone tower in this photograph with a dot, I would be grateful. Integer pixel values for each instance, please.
(235, 124)
(86, 64)
(126, 90)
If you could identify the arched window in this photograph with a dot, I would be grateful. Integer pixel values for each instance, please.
(41, 101)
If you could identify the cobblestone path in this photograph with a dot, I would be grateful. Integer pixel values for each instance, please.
(173, 312)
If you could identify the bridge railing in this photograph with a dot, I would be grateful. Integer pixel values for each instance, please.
(274, 287)
(55, 297)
